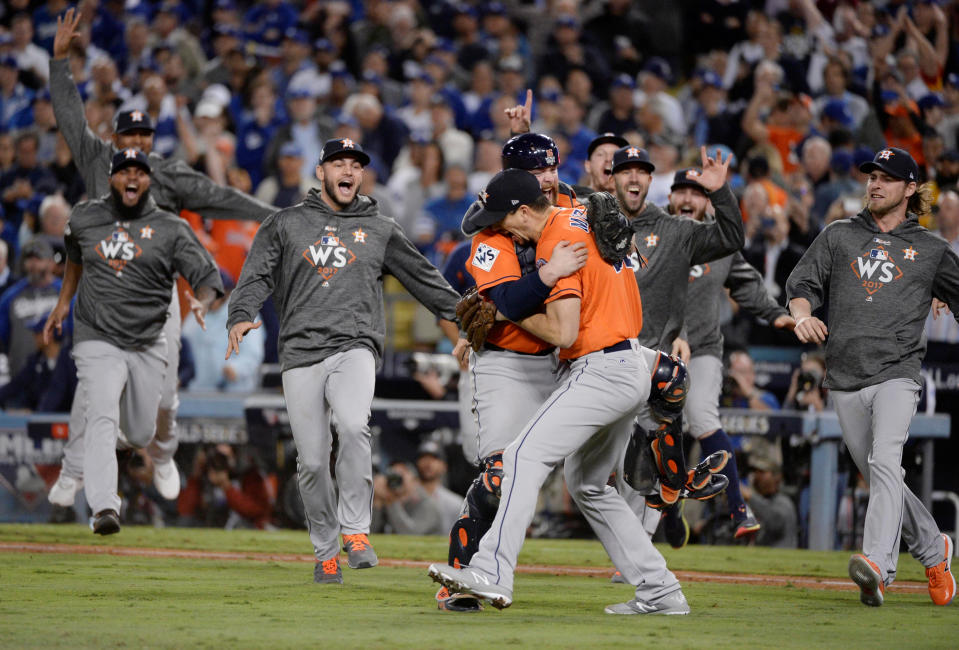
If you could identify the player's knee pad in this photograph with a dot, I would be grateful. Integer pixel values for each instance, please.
(670, 460)
(482, 500)
(669, 385)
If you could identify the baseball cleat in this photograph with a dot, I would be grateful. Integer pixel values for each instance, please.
(716, 485)
(675, 526)
(328, 572)
(166, 479)
(64, 491)
(746, 526)
(106, 522)
(457, 602)
(473, 582)
(698, 477)
(617, 578)
(942, 583)
(866, 574)
(671, 604)
(359, 551)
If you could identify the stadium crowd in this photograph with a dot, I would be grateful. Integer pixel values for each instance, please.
(800, 92)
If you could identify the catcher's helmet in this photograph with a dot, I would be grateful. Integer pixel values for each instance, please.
(668, 389)
(530, 151)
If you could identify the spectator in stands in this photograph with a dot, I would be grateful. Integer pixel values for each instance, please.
(7, 278)
(288, 185)
(161, 106)
(30, 58)
(294, 58)
(27, 178)
(255, 129)
(304, 129)
(239, 374)
(787, 123)
(383, 134)
(168, 32)
(943, 327)
(48, 378)
(431, 468)
(64, 170)
(774, 510)
(26, 301)
(655, 79)
(226, 489)
(45, 125)
(618, 116)
(739, 386)
(416, 113)
(54, 213)
(770, 250)
(457, 146)
(806, 392)
(138, 53)
(444, 214)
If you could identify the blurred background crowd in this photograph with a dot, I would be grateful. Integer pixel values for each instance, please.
(800, 92)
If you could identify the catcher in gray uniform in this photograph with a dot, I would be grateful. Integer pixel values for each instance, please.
(130, 251)
(174, 186)
(323, 260)
(878, 272)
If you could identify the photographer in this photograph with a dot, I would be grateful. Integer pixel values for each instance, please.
(739, 385)
(774, 510)
(223, 491)
(806, 391)
(402, 505)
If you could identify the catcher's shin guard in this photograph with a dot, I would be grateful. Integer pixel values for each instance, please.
(482, 500)
(639, 466)
(670, 460)
(703, 482)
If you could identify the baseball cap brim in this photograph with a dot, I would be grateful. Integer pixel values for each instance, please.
(479, 217)
(360, 156)
(872, 165)
(648, 166)
(131, 162)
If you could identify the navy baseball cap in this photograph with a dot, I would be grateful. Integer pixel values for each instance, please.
(291, 150)
(688, 177)
(129, 158)
(894, 161)
(606, 138)
(623, 81)
(506, 191)
(659, 67)
(626, 156)
(837, 111)
(133, 121)
(343, 147)
(8, 61)
(931, 100)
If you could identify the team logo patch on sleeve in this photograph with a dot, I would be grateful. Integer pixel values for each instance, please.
(485, 257)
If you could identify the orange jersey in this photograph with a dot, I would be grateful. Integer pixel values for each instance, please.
(493, 261)
(611, 310)
(784, 139)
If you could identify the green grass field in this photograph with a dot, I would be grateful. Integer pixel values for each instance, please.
(83, 600)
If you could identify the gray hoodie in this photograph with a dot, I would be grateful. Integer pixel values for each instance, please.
(669, 246)
(879, 288)
(325, 271)
(174, 185)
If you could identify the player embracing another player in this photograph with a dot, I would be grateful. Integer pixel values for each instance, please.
(878, 273)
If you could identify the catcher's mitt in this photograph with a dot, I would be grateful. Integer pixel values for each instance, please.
(610, 228)
(477, 316)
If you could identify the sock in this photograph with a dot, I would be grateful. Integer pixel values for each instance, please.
(717, 442)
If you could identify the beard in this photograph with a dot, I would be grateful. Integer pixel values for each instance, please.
(330, 189)
(131, 212)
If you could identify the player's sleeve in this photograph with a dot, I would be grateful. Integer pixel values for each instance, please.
(747, 288)
(197, 192)
(194, 262)
(710, 241)
(68, 108)
(256, 279)
(810, 277)
(945, 284)
(71, 243)
(418, 276)
(491, 263)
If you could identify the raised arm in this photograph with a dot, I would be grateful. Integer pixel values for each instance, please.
(725, 236)
(198, 193)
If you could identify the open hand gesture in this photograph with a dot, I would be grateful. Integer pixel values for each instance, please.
(714, 171)
(237, 332)
(66, 32)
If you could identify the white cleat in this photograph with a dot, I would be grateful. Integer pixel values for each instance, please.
(64, 491)
(471, 582)
(671, 604)
(166, 478)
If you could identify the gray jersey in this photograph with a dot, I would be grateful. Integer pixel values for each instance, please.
(669, 246)
(175, 185)
(128, 270)
(705, 296)
(880, 287)
(320, 266)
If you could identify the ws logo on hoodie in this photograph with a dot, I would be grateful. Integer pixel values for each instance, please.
(118, 250)
(328, 255)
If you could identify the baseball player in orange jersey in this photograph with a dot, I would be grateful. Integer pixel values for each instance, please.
(594, 315)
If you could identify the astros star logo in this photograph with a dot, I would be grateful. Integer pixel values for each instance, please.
(885, 154)
(632, 152)
(652, 240)
(136, 116)
(359, 236)
(910, 253)
(129, 153)
(146, 232)
(347, 143)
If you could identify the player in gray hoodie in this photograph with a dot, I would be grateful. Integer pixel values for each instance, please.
(323, 260)
(878, 273)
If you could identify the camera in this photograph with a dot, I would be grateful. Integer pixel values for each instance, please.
(217, 460)
(394, 480)
(444, 365)
(806, 381)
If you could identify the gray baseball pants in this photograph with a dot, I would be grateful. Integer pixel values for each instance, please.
(164, 444)
(337, 392)
(701, 411)
(586, 420)
(117, 389)
(875, 426)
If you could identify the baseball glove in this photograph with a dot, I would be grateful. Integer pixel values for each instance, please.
(477, 316)
(610, 228)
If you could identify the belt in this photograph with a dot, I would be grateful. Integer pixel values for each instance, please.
(618, 347)
(496, 348)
